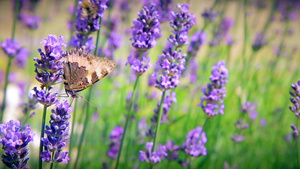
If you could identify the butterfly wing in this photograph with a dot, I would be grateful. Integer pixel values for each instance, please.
(82, 69)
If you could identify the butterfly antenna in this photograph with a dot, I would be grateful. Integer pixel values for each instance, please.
(88, 102)
(72, 99)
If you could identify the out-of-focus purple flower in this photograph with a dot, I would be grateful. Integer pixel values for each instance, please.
(241, 124)
(172, 150)
(31, 21)
(57, 134)
(212, 101)
(250, 109)
(142, 128)
(223, 31)
(139, 62)
(22, 57)
(14, 139)
(227, 166)
(263, 122)
(115, 138)
(258, 42)
(30, 105)
(194, 144)
(209, 14)
(171, 64)
(146, 29)
(181, 22)
(193, 71)
(295, 99)
(10, 47)
(156, 156)
(49, 68)
(169, 99)
(237, 138)
(45, 97)
(197, 40)
(164, 9)
(135, 106)
(295, 130)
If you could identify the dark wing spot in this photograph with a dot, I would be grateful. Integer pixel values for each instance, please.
(95, 77)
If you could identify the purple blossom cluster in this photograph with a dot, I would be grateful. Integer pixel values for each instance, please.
(209, 15)
(172, 150)
(212, 102)
(194, 144)
(25, 14)
(169, 99)
(49, 68)
(31, 21)
(15, 139)
(258, 42)
(197, 40)
(222, 32)
(164, 9)
(115, 138)
(181, 22)
(295, 99)
(87, 21)
(146, 29)
(250, 109)
(57, 134)
(139, 62)
(45, 97)
(30, 105)
(171, 65)
(13, 49)
(153, 157)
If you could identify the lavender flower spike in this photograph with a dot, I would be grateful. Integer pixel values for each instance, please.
(212, 101)
(295, 99)
(14, 140)
(57, 134)
(115, 138)
(154, 157)
(194, 144)
(146, 29)
(11, 47)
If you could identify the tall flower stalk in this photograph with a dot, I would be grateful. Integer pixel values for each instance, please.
(145, 31)
(9, 61)
(49, 72)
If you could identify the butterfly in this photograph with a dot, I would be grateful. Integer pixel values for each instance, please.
(81, 70)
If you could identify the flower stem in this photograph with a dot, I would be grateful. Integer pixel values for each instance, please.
(72, 133)
(127, 120)
(98, 37)
(9, 62)
(73, 21)
(85, 126)
(42, 136)
(159, 119)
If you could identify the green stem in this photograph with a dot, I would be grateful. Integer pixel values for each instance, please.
(98, 37)
(86, 121)
(72, 133)
(73, 22)
(127, 119)
(5, 88)
(42, 136)
(159, 119)
(15, 19)
(52, 161)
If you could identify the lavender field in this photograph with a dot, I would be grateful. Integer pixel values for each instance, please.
(122, 84)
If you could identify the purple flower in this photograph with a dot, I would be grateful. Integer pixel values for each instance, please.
(115, 138)
(49, 68)
(258, 42)
(139, 62)
(172, 150)
(197, 40)
(155, 156)
(212, 101)
(237, 138)
(11, 47)
(181, 22)
(21, 58)
(240, 124)
(57, 134)
(263, 122)
(295, 130)
(194, 144)
(30, 105)
(14, 139)
(171, 64)
(223, 31)
(295, 99)
(146, 29)
(250, 109)
(164, 10)
(169, 99)
(209, 15)
(31, 21)
(45, 97)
